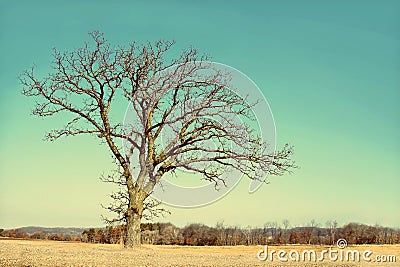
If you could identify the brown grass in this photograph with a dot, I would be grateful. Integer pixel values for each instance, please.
(53, 253)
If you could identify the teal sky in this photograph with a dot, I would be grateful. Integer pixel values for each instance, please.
(330, 71)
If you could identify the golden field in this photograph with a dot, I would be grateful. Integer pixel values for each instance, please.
(54, 253)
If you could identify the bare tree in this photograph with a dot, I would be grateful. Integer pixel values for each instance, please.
(332, 225)
(313, 225)
(180, 103)
(285, 224)
(221, 231)
(273, 228)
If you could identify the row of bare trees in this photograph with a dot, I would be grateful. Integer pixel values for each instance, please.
(196, 234)
(109, 235)
(270, 233)
(43, 235)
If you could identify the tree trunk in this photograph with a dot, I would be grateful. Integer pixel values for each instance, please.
(133, 235)
(134, 216)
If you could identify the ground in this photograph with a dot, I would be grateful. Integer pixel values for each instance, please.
(53, 253)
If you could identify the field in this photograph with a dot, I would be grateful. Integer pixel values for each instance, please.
(52, 253)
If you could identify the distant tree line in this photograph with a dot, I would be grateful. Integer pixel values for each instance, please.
(196, 234)
(20, 233)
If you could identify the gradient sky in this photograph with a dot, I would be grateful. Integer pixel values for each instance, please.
(329, 70)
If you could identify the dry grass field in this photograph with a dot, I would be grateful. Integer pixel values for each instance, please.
(52, 253)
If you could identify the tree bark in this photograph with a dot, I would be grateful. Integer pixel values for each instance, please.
(133, 217)
(133, 234)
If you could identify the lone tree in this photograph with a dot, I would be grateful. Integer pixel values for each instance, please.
(177, 110)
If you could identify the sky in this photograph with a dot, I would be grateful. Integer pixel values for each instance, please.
(330, 72)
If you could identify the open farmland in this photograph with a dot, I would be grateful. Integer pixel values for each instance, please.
(53, 253)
